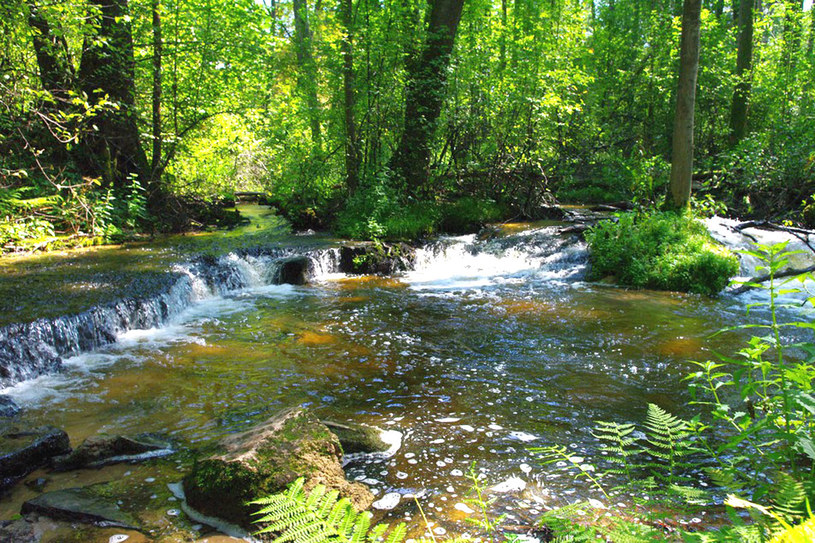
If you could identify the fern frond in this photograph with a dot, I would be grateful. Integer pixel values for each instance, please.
(318, 517)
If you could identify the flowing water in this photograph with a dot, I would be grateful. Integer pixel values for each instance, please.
(486, 349)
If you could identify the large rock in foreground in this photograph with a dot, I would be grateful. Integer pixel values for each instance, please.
(263, 461)
(21, 452)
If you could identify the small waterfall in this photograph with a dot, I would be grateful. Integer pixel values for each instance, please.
(469, 262)
(35, 348)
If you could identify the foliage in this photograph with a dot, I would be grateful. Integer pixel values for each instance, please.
(319, 516)
(664, 251)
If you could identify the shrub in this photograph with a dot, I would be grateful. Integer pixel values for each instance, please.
(469, 213)
(663, 251)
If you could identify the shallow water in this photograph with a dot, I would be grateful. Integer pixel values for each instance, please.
(473, 359)
(486, 349)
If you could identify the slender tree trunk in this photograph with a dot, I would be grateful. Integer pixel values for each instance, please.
(347, 46)
(503, 37)
(155, 166)
(744, 64)
(425, 93)
(682, 160)
(107, 68)
(307, 75)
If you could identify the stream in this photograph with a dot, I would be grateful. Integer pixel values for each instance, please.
(486, 348)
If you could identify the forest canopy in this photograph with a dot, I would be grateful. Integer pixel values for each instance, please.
(393, 118)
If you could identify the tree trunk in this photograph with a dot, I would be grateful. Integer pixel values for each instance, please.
(682, 160)
(347, 46)
(744, 63)
(155, 167)
(426, 78)
(107, 68)
(307, 75)
(53, 61)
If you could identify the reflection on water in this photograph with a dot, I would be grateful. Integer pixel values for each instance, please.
(469, 371)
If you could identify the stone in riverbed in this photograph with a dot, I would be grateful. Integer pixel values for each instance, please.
(382, 258)
(357, 438)
(21, 452)
(101, 450)
(8, 408)
(293, 270)
(263, 461)
(79, 505)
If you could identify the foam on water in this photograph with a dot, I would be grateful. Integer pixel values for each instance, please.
(467, 263)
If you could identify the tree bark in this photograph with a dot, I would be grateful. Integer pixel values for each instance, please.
(426, 79)
(349, 91)
(307, 75)
(107, 69)
(155, 166)
(682, 159)
(744, 63)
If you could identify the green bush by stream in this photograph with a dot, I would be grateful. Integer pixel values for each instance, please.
(665, 251)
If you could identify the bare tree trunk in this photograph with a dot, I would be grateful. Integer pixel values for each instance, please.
(682, 160)
(347, 46)
(744, 64)
(307, 75)
(155, 166)
(425, 93)
(107, 68)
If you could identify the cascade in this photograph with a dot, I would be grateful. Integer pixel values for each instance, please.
(35, 348)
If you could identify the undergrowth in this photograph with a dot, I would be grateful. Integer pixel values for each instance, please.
(665, 251)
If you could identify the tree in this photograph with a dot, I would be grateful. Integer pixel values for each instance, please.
(155, 163)
(106, 73)
(682, 159)
(744, 62)
(307, 75)
(426, 78)
(349, 93)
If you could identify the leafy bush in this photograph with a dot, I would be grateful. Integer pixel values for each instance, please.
(664, 251)
(469, 213)
(376, 211)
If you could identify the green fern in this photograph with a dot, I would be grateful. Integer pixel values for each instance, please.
(617, 442)
(559, 453)
(668, 440)
(319, 517)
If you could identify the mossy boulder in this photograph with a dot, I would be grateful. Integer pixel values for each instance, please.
(376, 258)
(263, 461)
(358, 438)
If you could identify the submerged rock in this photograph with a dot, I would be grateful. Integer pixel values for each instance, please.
(79, 505)
(377, 258)
(293, 270)
(8, 408)
(357, 438)
(263, 461)
(21, 452)
(101, 450)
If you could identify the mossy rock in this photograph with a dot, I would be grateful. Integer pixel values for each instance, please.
(265, 460)
(358, 438)
(376, 258)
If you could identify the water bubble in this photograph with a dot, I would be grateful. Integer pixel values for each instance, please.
(173, 512)
(118, 538)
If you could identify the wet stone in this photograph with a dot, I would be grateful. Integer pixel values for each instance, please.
(8, 408)
(80, 505)
(101, 450)
(265, 460)
(376, 258)
(23, 451)
(293, 271)
(357, 438)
